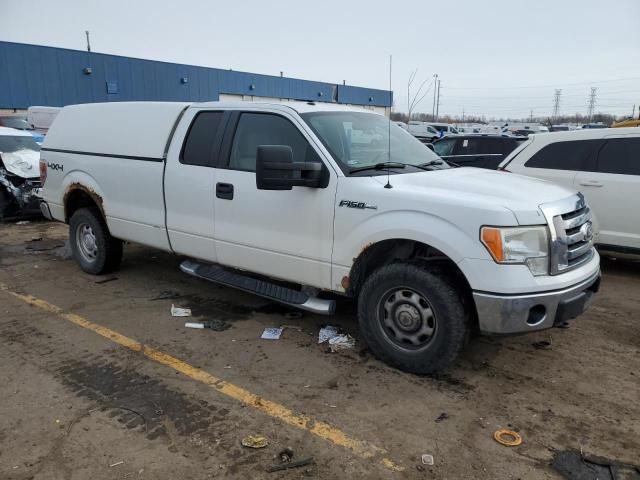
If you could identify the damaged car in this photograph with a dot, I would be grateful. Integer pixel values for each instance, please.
(20, 187)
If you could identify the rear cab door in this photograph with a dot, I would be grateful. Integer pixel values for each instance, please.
(612, 191)
(190, 180)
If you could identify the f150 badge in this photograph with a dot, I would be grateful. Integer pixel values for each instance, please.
(360, 205)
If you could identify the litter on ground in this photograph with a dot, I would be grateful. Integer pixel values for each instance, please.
(180, 312)
(272, 333)
(255, 441)
(427, 459)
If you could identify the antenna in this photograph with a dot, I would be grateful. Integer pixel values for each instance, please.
(86, 32)
(388, 185)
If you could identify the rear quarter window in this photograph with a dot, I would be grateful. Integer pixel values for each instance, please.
(199, 146)
(621, 156)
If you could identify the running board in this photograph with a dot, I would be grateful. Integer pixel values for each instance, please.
(288, 296)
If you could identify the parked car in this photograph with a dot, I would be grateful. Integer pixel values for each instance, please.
(429, 252)
(422, 131)
(19, 173)
(444, 129)
(20, 123)
(603, 164)
(483, 151)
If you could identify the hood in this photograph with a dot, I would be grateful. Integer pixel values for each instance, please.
(24, 163)
(522, 195)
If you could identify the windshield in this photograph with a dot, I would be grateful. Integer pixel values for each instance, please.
(10, 144)
(18, 123)
(358, 139)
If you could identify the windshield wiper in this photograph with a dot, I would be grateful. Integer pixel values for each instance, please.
(379, 166)
(429, 164)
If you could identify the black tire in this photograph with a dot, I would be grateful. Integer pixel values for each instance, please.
(397, 307)
(8, 208)
(97, 255)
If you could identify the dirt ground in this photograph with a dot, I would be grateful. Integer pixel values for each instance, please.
(76, 405)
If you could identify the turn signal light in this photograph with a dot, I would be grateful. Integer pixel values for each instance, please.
(492, 239)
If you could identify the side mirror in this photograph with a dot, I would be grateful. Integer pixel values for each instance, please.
(276, 170)
(430, 146)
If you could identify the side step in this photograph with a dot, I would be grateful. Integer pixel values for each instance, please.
(288, 296)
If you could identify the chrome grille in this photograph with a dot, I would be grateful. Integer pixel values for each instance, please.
(571, 233)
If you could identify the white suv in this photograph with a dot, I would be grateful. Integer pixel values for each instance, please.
(603, 164)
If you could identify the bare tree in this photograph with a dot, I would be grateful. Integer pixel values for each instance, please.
(419, 94)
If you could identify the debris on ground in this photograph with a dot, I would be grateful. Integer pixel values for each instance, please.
(286, 461)
(255, 441)
(443, 416)
(180, 312)
(272, 333)
(23, 222)
(327, 332)
(194, 325)
(44, 245)
(341, 342)
(542, 344)
(507, 437)
(336, 339)
(293, 315)
(166, 295)
(116, 464)
(427, 459)
(574, 465)
(105, 280)
(216, 325)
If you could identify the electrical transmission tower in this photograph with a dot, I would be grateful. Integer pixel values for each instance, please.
(556, 102)
(592, 102)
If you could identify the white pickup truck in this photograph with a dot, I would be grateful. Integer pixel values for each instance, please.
(278, 200)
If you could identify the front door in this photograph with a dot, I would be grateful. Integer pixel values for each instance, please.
(284, 234)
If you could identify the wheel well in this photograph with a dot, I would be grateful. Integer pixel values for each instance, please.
(399, 250)
(80, 197)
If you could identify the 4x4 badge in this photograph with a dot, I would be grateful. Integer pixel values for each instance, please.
(360, 205)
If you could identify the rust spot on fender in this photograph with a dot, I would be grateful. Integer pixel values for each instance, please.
(89, 191)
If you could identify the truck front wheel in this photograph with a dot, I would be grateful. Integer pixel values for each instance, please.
(413, 318)
(92, 246)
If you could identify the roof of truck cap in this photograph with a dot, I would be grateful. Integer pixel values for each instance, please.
(12, 132)
(300, 107)
(586, 134)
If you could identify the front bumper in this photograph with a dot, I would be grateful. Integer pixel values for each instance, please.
(512, 314)
(46, 211)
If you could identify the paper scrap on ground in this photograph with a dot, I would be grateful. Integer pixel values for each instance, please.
(326, 333)
(337, 341)
(341, 342)
(180, 312)
(272, 333)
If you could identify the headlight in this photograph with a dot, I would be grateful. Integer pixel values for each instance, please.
(524, 245)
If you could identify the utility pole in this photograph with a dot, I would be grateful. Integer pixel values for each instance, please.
(438, 101)
(592, 103)
(462, 114)
(633, 111)
(86, 32)
(531, 116)
(556, 103)
(435, 88)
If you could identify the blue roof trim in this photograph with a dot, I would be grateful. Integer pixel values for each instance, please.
(39, 75)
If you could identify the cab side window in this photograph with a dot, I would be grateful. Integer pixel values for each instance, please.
(444, 147)
(198, 148)
(255, 129)
(621, 156)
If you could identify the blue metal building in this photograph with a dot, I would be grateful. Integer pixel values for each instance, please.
(48, 76)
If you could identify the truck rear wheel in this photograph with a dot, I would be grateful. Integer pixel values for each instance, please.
(92, 246)
(412, 318)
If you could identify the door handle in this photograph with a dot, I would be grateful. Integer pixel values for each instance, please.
(224, 191)
(590, 183)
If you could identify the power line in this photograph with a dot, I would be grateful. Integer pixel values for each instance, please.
(546, 86)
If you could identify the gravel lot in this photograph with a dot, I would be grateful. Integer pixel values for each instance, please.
(76, 405)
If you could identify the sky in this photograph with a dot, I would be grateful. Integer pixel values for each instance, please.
(495, 58)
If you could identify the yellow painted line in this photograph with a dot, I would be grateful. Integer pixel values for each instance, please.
(321, 429)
